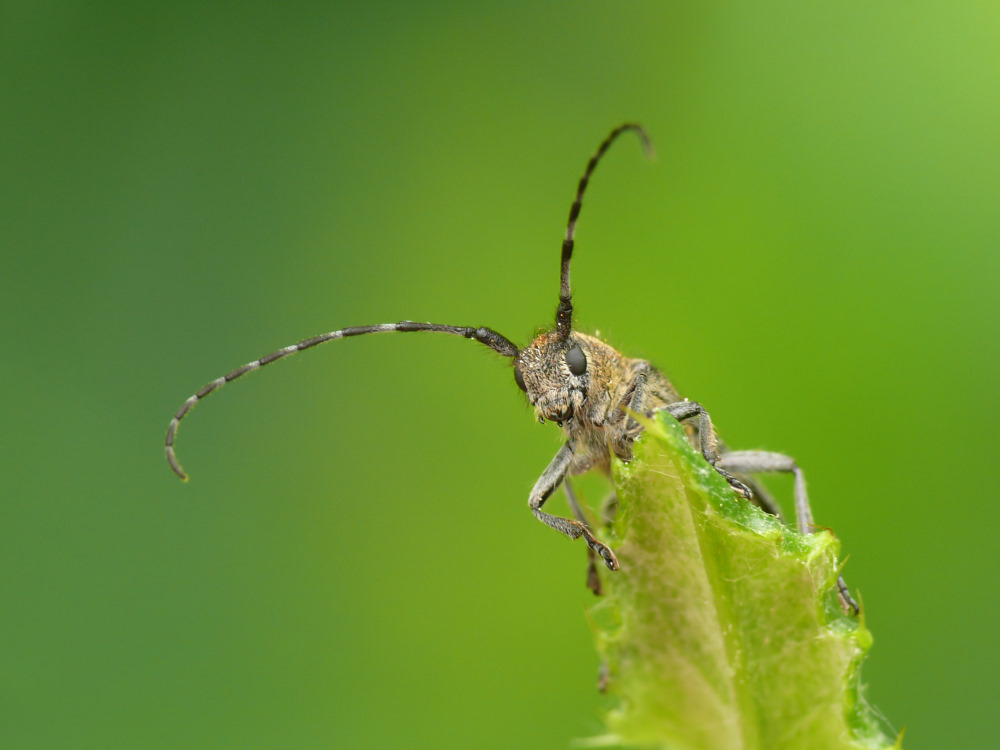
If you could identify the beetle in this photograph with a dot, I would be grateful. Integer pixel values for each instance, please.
(590, 391)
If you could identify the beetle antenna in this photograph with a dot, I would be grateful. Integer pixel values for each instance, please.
(564, 312)
(486, 336)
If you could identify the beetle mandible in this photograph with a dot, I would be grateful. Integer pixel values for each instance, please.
(589, 390)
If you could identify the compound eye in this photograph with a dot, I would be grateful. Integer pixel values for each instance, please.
(519, 379)
(576, 360)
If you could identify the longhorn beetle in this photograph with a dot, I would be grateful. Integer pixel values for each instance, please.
(589, 390)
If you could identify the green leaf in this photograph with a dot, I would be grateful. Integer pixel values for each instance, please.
(722, 629)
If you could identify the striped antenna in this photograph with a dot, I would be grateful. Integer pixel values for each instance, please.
(486, 336)
(564, 312)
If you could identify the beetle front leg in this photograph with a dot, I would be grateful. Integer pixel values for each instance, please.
(709, 447)
(551, 478)
(681, 410)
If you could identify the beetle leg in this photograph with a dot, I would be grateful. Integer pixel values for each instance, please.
(752, 462)
(551, 478)
(706, 433)
(593, 580)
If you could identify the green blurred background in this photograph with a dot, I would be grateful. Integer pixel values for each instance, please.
(813, 255)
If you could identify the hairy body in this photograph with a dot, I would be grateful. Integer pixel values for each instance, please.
(588, 389)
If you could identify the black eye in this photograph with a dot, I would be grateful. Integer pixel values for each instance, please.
(519, 379)
(576, 361)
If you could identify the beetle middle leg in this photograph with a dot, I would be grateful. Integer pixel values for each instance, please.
(753, 462)
(551, 478)
(593, 580)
